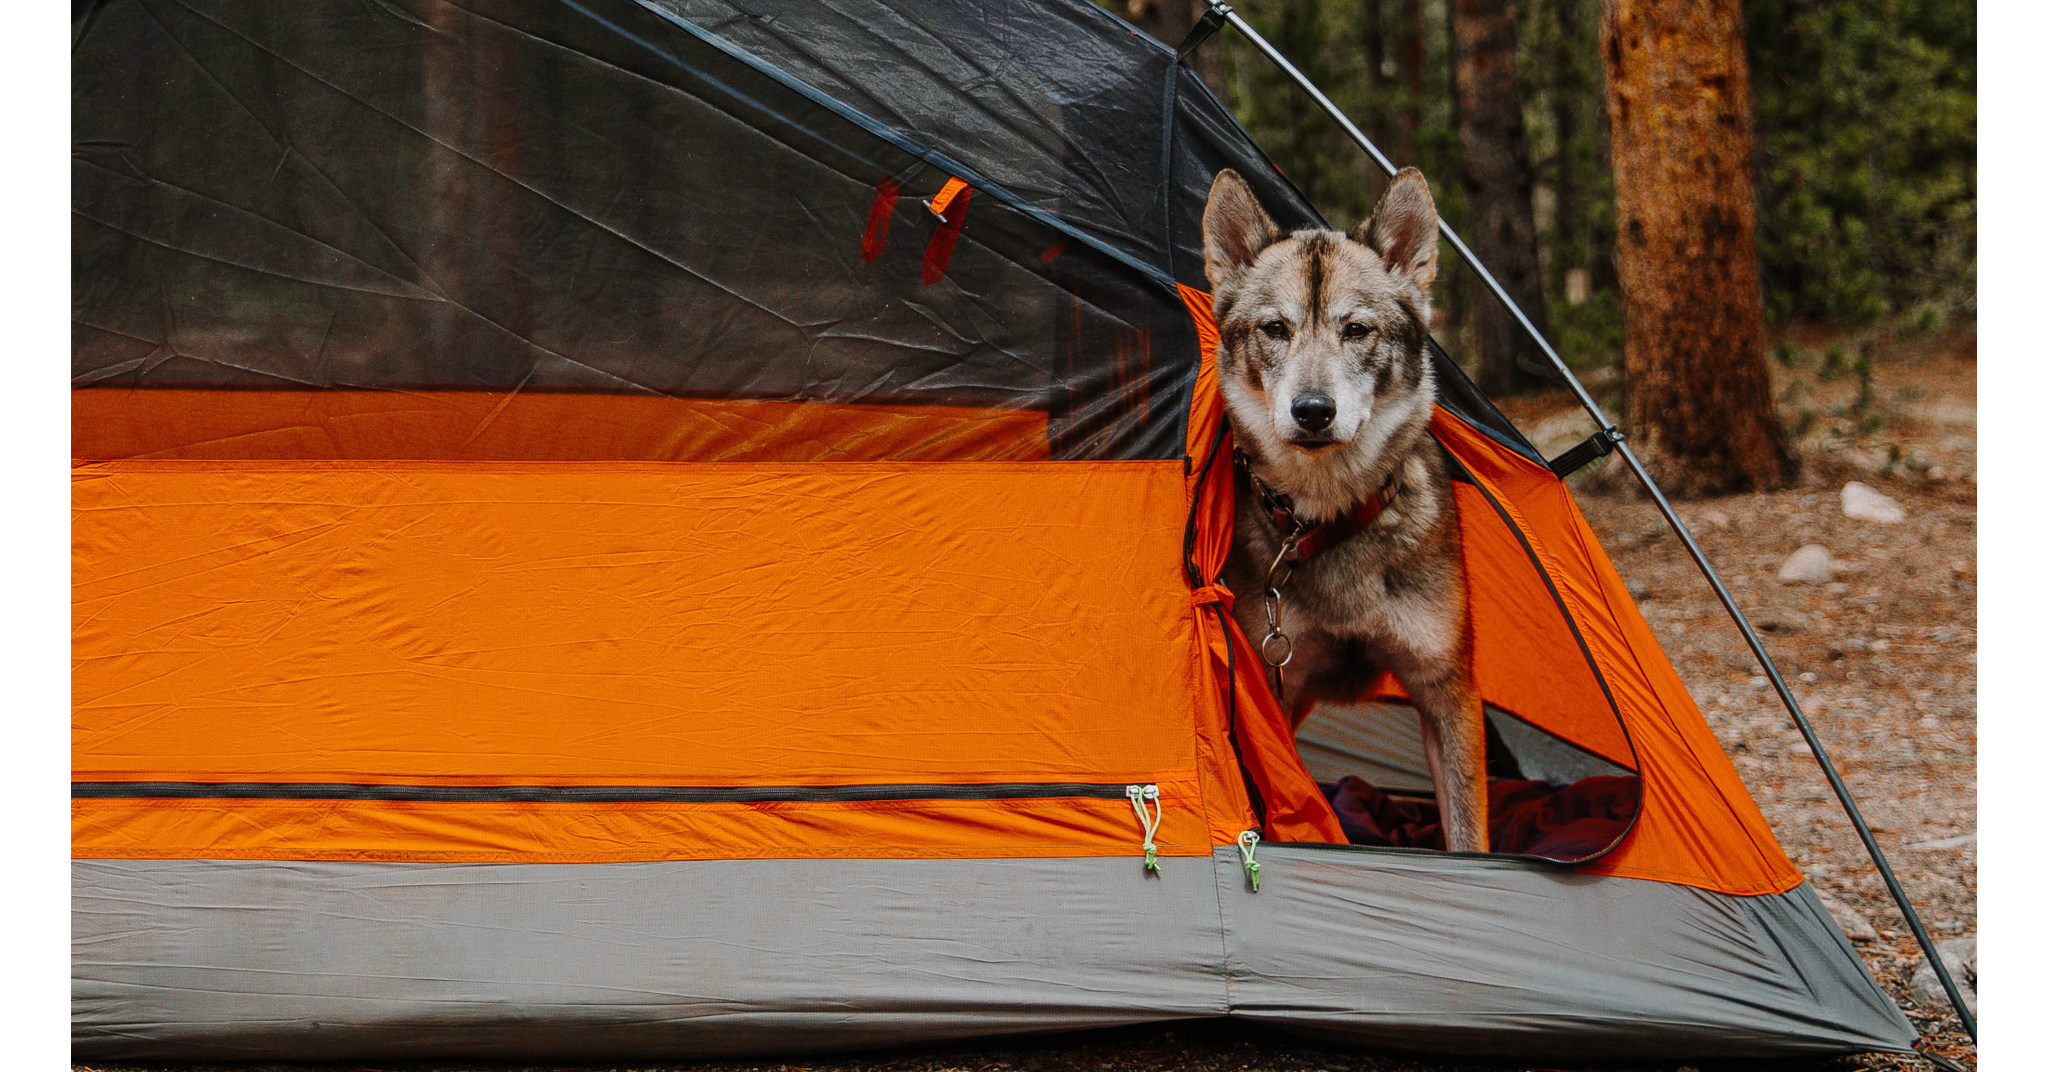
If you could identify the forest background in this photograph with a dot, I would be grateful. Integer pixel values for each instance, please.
(1864, 119)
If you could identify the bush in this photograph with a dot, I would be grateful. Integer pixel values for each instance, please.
(1865, 116)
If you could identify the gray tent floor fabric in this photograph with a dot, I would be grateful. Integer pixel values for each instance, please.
(1418, 950)
(208, 959)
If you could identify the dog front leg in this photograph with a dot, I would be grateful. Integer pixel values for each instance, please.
(1454, 741)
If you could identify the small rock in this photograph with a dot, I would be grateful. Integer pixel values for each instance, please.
(1808, 565)
(1785, 621)
(1860, 500)
(1960, 954)
(1855, 925)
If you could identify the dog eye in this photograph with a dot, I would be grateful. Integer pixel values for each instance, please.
(1274, 329)
(1355, 330)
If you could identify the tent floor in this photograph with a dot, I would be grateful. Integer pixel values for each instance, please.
(1388, 948)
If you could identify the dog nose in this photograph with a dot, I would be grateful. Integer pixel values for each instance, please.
(1314, 412)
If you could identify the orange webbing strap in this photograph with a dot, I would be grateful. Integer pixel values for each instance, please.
(944, 198)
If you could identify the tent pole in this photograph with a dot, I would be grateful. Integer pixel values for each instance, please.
(1699, 557)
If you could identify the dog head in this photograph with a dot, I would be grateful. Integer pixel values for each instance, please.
(1322, 359)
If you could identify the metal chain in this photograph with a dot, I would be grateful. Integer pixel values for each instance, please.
(1277, 649)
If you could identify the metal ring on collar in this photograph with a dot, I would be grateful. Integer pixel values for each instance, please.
(1286, 650)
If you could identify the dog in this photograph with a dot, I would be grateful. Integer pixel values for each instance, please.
(1344, 499)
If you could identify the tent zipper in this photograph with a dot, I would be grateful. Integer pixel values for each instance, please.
(598, 794)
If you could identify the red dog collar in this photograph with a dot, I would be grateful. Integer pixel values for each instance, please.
(1311, 540)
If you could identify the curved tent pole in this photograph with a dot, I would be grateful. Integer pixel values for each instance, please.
(1610, 437)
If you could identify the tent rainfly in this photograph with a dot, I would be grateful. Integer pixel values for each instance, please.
(690, 527)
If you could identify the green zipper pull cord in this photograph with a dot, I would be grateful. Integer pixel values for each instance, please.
(1148, 819)
(1247, 844)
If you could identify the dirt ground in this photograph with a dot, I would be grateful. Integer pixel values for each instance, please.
(1883, 659)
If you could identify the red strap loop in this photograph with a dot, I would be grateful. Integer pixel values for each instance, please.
(876, 237)
(951, 205)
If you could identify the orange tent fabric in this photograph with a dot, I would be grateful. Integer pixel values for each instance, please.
(574, 624)
(410, 425)
(766, 623)
(1556, 659)
(1698, 824)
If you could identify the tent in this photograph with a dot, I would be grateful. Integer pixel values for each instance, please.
(687, 527)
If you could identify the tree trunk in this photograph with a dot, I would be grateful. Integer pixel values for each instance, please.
(1499, 178)
(1600, 228)
(1379, 86)
(1567, 93)
(1412, 44)
(1699, 391)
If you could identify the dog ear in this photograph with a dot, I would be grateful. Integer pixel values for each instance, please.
(1234, 228)
(1402, 228)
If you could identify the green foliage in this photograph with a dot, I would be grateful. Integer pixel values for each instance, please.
(1926, 318)
(1865, 390)
(1834, 363)
(1588, 335)
(1865, 116)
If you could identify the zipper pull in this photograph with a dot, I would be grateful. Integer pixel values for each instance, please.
(1148, 819)
(1247, 844)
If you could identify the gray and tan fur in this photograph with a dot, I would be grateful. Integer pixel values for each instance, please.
(1329, 390)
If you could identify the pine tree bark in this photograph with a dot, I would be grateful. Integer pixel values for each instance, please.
(1412, 44)
(1372, 40)
(1698, 388)
(1569, 92)
(1500, 180)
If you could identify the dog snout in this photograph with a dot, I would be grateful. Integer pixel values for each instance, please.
(1314, 412)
